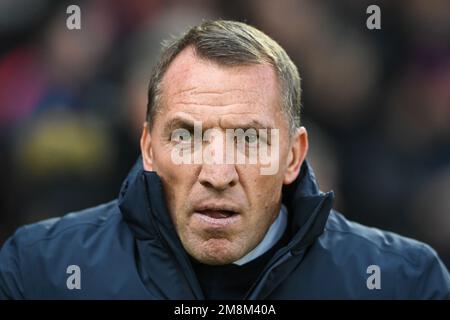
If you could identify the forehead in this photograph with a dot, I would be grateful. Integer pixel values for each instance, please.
(196, 85)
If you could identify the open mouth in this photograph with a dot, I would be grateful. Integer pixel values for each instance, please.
(217, 214)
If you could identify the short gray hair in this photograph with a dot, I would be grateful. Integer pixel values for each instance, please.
(231, 43)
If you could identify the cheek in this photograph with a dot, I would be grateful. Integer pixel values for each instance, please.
(264, 191)
(176, 179)
(161, 155)
(169, 172)
(272, 191)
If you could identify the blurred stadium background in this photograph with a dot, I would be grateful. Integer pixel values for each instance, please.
(376, 103)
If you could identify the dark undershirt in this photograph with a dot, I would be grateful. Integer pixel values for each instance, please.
(232, 281)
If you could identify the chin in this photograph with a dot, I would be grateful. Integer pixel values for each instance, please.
(217, 252)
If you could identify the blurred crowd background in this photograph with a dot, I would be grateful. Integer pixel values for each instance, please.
(376, 102)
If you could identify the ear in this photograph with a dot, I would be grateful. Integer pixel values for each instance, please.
(146, 148)
(298, 148)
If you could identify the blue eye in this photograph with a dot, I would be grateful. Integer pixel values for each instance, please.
(251, 138)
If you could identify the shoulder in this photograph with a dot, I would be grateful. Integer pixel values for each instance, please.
(341, 231)
(81, 223)
(34, 260)
(411, 269)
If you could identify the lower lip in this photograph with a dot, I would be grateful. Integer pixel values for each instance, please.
(222, 222)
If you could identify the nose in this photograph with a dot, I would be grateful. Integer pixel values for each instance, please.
(218, 176)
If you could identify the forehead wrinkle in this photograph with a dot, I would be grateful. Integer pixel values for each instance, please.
(197, 90)
(206, 105)
(214, 97)
(223, 113)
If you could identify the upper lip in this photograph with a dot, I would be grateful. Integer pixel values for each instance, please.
(216, 207)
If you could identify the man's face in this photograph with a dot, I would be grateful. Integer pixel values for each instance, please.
(221, 211)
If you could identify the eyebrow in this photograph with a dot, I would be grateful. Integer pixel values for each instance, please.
(177, 123)
(188, 124)
(252, 124)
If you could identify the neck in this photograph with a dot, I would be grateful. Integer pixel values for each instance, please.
(273, 235)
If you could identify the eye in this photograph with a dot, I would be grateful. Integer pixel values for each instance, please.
(251, 138)
(184, 143)
(180, 136)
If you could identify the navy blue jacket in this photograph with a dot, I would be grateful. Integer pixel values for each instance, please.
(128, 249)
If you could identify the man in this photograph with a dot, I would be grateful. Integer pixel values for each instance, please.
(191, 226)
